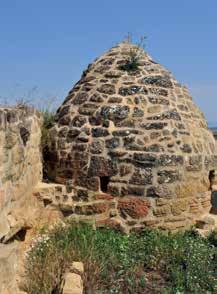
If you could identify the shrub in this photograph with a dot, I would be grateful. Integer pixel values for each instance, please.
(213, 238)
(48, 121)
(132, 62)
(149, 262)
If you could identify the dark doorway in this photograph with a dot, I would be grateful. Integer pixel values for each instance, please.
(211, 178)
(104, 181)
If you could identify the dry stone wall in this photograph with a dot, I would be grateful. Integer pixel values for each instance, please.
(21, 167)
(136, 136)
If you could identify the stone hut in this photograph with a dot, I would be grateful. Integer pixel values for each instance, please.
(135, 138)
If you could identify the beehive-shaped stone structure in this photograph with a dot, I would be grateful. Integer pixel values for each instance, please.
(136, 135)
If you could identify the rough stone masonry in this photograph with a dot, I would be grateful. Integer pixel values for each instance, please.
(20, 164)
(131, 147)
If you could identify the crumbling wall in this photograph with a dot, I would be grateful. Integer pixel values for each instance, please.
(20, 164)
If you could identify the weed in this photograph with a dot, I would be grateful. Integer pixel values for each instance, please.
(132, 62)
(48, 116)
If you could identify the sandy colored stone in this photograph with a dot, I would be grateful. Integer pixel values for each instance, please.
(162, 211)
(179, 206)
(206, 222)
(73, 284)
(8, 267)
(78, 266)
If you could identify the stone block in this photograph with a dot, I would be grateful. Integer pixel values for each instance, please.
(134, 207)
(179, 206)
(91, 209)
(162, 211)
(73, 284)
(141, 177)
(100, 166)
(168, 176)
(78, 267)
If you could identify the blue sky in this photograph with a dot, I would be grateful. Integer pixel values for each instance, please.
(46, 44)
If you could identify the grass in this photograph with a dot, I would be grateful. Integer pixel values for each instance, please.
(48, 116)
(132, 62)
(146, 262)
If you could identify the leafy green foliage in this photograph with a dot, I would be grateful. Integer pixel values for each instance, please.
(213, 238)
(48, 121)
(147, 262)
(132, 62)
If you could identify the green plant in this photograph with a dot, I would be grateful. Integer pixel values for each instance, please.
(213, 238)
(149, 262)
(132, 62)
(48, 116)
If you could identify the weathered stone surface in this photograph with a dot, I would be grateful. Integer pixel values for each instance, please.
(195, 163)
(161, 81)
(206, 223)
(80, 98)
(133, 133)
(162, 211)
(133, 191)
(115, 112)
(168, 176)
(131, 90)
(111, 223)
(156, 100)
(78, 121)
(179, 206)
(112, 143)
(141, 177)
(170, 160)
(107, 89)
(153, 126)
(100, 166)
(91, 209)
(97, 147)
(91, 183)
(100, 132)
(161, 191)
(134, 207)
(171, 115)
(8, 267)
(20, 167)
(78, 267)
(186, 148)
(73, 284)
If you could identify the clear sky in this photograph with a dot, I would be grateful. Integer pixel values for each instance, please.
(46, 44)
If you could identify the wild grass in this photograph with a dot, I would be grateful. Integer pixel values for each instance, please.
(132, 62)
(48, 116)
(146, 262)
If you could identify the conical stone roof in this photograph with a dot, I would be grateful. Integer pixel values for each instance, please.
(134, 133)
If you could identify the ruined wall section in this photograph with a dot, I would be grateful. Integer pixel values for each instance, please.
(20, 164)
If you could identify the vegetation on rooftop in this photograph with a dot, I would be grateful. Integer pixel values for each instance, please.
(132, 62)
